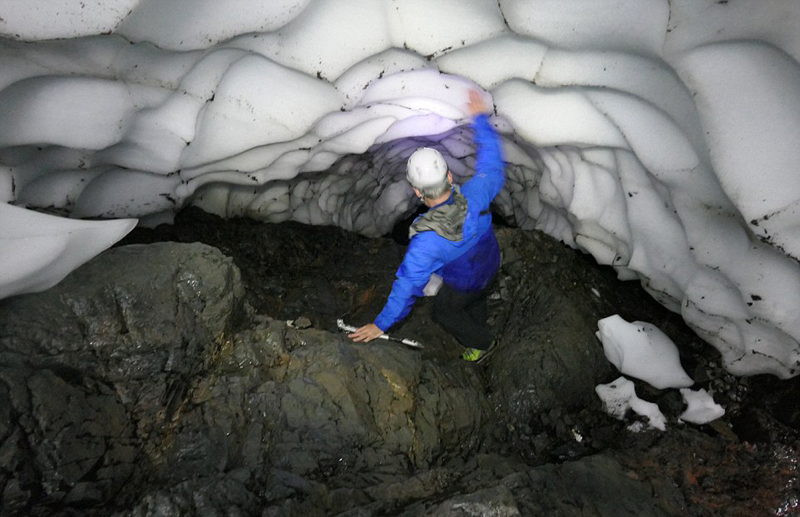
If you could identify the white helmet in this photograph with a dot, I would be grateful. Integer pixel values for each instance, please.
(426, 168)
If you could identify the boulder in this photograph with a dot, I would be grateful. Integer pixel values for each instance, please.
(549, 357)
(145, 385)
(95, 369)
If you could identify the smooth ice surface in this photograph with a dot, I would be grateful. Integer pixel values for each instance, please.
(659, 136)
(619, 397)
(641, 350)
(701, 407)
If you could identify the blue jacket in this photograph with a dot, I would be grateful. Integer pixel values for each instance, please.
(467, 264)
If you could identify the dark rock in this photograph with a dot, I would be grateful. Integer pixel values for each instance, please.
(549, 356)
(596, 486)
(496, 501)
(151, 382)
(95, 369)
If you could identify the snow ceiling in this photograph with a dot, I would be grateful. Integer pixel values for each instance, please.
(661, 136)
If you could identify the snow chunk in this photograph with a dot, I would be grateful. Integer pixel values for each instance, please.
(620, 395)
(641, 350)
(701, 407)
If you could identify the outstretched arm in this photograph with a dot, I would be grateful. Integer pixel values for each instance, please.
(419, 263)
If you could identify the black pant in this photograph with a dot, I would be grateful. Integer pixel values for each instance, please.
(464, 316)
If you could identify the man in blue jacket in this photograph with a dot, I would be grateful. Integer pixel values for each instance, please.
(453, 239)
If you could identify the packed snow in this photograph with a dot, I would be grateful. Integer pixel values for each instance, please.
(659, 136)
(641, 350)
(619, 397)
(39, 250)
(700, 407)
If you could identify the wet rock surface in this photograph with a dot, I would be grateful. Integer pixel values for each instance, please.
(162, 378)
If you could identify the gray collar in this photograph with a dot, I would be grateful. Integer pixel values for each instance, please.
(447, 220)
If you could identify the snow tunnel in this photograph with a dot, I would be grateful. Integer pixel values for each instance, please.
(630, 133)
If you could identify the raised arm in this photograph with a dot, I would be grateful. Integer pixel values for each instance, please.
(489, 177)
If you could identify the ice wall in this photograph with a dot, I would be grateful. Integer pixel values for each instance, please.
(659, 136)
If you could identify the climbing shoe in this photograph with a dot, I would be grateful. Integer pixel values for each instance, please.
(477, 355)
(473, 354)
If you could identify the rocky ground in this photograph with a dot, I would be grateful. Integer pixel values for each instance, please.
(164, 380)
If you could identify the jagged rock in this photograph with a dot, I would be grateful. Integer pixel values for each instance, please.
(128, 374)
(144, 385)
(549, 356)
(95, 369)
(496, 501)
(597, 486)
(315, 404)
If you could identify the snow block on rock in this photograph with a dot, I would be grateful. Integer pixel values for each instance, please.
(701, 407)
(641, 350)
(620, 395)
